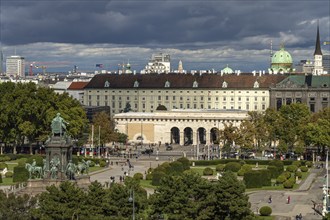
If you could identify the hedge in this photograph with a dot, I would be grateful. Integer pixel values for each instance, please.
(304, 169)
(274, 171)
(251, 162)
(266, 177)
(233, 166)
(281, 179)
(245, 168)
(20, 174)
(103, 163)
(38, 158)
(253, 179)
(309, 163)
(220, 167)
(208, 171)
(4, 158)
(265, 211)
(175, 168)
(297, 163)
(298, 174)
(0, 178)
(3, 165)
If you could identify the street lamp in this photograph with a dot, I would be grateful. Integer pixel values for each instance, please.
(131, 199)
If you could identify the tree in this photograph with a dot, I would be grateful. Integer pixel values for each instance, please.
(228, 135)
(16, 207)
(63, 202)
(103, 123)
(246, 135)
(292, 119)
(228, 199)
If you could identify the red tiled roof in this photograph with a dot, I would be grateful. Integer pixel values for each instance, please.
(77, 85)
(184, 81)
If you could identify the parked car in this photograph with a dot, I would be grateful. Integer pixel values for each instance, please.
(248, 155)
(147, 151)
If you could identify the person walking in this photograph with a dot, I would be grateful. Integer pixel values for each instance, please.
(270, 199)
(288, 200)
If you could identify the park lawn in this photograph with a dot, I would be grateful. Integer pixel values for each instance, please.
(7, 181)
(147, 184)
(95, 168)
(11, 165)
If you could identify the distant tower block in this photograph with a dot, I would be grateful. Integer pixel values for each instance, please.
(180, 67)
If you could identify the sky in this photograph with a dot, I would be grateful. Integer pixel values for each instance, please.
(204, 34)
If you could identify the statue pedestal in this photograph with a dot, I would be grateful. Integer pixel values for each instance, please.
(58, 149)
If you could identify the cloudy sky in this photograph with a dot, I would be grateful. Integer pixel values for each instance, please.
(204, 34)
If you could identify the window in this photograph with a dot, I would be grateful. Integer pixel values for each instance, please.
(202, 98)
(255, 107)
(159, 98)
(247, 107)
(255, 98)
(247, 99)
(216, 98)
(113, 105)
(119, 98)
(224, 98)
(232, 99)
(312, 99)
(188, 105)
(181, 98)
(89, 97)
(143, 105)
(106, 97)
(166, 97)
(135, 105)
(263, 98)
(181, 105)
(312, 107)
(97, 97)
(324, 99)
(120, 105)
(173, 98)
(195, 106)
(127, 98)
(113, 97)
(263, 107)
(202, 106)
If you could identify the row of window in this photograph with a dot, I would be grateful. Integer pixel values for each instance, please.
(167, 98)
(173, 91)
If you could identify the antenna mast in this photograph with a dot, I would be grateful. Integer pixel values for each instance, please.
(271, 51)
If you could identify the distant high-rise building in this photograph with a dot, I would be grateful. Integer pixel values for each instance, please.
(318, 67)
(159, 63)
(326, 63)
(15, 66)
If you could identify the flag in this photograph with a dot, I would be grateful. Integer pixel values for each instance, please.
(99, 65)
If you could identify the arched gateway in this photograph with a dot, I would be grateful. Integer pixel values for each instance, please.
(184, 127)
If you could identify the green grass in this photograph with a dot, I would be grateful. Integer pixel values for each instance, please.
(6, 181)
(147, 184)
(11, 166)
(95, 168)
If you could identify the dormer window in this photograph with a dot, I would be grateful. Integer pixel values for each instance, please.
(195, 84)
(224, 84)
(136, 84)
(107, 84)
(167, 84)
(256, 84)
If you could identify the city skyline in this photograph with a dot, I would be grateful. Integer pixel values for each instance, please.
(203, 34)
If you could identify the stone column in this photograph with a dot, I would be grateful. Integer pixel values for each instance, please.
(181, 137)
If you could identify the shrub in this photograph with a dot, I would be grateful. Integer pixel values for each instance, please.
(103, 163)
(185, 163)
(303, 169)
(138, 176)
(309, 164)
(292, 168)
(233, 166)
(287, 174)
(288, 184)
(156, 178)
(208, 171)
(149, 176)
(220, 167)
(3, 165)
(9, 175)
(0, 178)
(20, 174)
(175, 168)
(298, 174)
(245, 168)
(297, 163)
(4, 158)
(281, 179)
(265, 211)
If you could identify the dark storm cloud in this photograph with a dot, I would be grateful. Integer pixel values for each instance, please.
(153, 23)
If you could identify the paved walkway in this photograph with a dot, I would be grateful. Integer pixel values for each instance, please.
(300, 200)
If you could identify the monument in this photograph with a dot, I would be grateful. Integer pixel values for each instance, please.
(58, 165)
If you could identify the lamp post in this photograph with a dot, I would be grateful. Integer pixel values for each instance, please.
(131, 199)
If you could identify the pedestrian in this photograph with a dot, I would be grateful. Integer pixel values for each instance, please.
(300, 216)
(270, 199)
(288, 200)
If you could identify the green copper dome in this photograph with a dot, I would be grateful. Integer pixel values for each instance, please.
(282, 57)
(227, 70)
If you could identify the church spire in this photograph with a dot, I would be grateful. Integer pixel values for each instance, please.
(318, 44)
